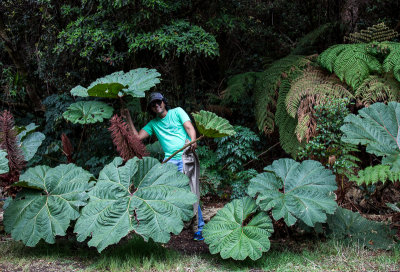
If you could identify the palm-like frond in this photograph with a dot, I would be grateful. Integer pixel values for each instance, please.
(267, 89)
(307, 91)
(378, 89)
(392, 61)
(352, 63)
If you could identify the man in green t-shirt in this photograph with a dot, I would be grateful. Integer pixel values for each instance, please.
(172, 128)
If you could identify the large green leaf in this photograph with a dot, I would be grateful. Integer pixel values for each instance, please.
(3, 162)
(87, 112)
(118, 84)
(143, 196)
(295, 190)
(29, 141)
(238, 231)
(351, 227)
(46, 211)
(377, 127)
(211, 125)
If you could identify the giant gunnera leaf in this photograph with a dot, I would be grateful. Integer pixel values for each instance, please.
(351, 227)
(144, 196)
(376, 127)
(295, 190)
(3, 162)
(88, 112)
(45, 208)
(211, 125)
(118, 84)
(238, 231)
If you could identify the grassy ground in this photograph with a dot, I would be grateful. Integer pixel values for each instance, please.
(137, 255)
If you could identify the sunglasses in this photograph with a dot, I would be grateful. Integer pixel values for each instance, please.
(155, 102)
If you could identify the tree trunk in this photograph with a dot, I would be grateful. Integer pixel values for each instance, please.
(350, 12)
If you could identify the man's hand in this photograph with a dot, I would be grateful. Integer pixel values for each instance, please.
(193, 146)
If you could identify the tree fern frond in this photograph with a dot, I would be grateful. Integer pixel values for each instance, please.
(375, 174)
(392, 61)
(313, 82)
(377, 89)
(379, 32)
(286, 123)
(307, 91)
(238, 87)
(328, 57)
(267, 89)
(350, 62)
(354, 65)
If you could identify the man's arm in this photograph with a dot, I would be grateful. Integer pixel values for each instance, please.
(191, 132)
(142, 133)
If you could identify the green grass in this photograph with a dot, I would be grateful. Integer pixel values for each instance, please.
(137, 255)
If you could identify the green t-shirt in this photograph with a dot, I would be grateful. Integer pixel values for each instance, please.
(170, 131)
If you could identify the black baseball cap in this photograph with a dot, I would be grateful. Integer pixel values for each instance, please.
(155, 96)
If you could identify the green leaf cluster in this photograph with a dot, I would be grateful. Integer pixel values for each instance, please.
(351, 227)
(353, 63)
(377, 128)
(375, 174)
(291, 190)
(327, 147)
(239, 231)
(295, 191)
(143, 196)
(178, 38)
(234, 151)
(45, 209)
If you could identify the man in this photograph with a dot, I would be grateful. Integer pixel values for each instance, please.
(172, 128)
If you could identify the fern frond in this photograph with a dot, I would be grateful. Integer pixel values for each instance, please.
(307, 91)
(392, 62)
(267, 89)
(328, 57)
(239, 87)
(379, 32)
(352, 63)
(307, 44)
(377, 89)
(375, 174)
(286, 123)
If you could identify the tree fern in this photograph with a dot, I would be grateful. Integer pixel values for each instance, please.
(350, 62)
(379, 32)
(305, 92)
(286, 123)
(375, 174)
(378, 89)
(267, 89)
(392, 62)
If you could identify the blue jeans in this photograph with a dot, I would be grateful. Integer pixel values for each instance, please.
(200, 225)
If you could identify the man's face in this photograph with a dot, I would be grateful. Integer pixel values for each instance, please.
(158, 107)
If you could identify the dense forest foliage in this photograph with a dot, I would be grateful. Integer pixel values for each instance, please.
(298, 79)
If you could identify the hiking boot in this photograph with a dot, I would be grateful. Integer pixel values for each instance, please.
(198, 236)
